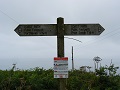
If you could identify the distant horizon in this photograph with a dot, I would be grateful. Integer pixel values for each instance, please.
(24, 65)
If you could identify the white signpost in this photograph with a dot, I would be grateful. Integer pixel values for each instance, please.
(61, 67)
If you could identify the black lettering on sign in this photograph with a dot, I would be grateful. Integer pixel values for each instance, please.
(38, 30)
(87, 29)
(74, 28)
(30, 33)
(43, 33)
(84, 31)
(81, 29)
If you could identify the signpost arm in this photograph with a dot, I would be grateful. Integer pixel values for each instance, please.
(60, 46)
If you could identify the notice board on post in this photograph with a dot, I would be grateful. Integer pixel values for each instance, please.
(60, 67)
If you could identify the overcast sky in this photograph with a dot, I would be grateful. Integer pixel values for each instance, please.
(29, 52)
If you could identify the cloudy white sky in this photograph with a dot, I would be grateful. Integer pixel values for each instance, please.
(29, 52)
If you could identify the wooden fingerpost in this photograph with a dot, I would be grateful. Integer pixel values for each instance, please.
(60, 46)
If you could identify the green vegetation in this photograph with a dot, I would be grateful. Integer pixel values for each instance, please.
(41, 79)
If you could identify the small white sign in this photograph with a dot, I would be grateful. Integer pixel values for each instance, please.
(61, 67)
